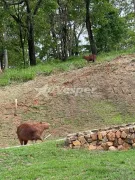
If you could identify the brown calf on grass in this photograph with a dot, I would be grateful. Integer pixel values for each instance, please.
(31, 132)
(91, 57)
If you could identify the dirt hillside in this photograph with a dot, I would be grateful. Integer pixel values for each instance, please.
(95, 96)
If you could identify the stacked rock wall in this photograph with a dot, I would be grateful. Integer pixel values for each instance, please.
(114, 138)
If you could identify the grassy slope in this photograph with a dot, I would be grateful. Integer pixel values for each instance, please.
(47, 161)
(87, 114)
(23, 75)
(66, 114)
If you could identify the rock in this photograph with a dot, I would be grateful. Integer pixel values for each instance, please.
(131, 130)
(72, 138)
(89, 140)
(111, 136)
(126, 146)
(112, 148)
(105, 146)
(105, 139)
(86, 145)
(100, 137)
(82, 140)
(67, 142)
(122, 129)
(94, 136)
(99, 142)
(92, 147)
(100, 148)
(130, 138)
(121, 138)
(87, 132)
(94, 130)
(87, 136)
(129, 141)
(80, 134)
(126, 130)
(71, 145)
(103, 133)
(133, 136)
(114, 130)
(120, 141)
(76, 143)
(120, 147)
(123, 135)
(133, 145)
(118, 134)
(109, 144)
(94, 143)
(115, 143)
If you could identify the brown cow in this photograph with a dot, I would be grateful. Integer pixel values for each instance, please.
(91, 57)
(31, 132)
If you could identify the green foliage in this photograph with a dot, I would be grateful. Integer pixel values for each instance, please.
(20, 75)
(108, 56)
(51, 161)
(4, 80)
(109, 27)
(112, 24)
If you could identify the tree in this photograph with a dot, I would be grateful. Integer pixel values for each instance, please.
(76, 26)
(66, 26)
(110, 28)
(54, 29)
(3, 41)
(31, 11)
(89, 28)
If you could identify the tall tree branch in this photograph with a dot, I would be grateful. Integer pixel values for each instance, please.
(18, 20)
(37, 7)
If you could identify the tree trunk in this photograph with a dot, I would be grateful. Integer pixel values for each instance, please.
(1, 60)
(134, 12)
(54, 37)
(22, 41)
(31, 45)
(134, 5)
(76, 50)
(5, 52)
(54, 48)
(63, 29)
(89, 29)
(5, 59)
(64, 55)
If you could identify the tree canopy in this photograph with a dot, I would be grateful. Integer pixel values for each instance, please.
(33, 31)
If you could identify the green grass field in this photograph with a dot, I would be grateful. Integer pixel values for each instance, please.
(50, 161)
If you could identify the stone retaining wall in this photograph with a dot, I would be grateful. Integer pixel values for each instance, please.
(114, 138)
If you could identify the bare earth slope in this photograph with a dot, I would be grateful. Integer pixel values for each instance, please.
(91, 97)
